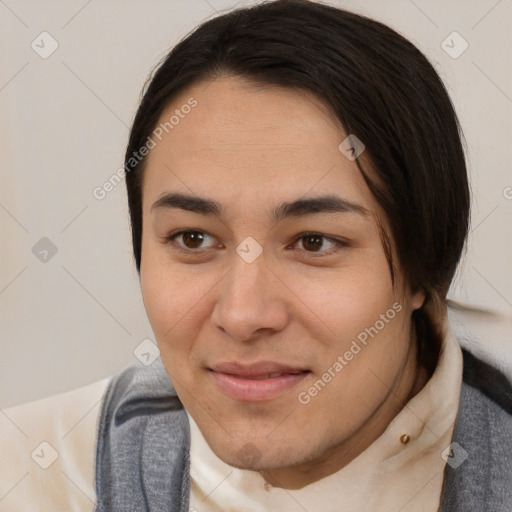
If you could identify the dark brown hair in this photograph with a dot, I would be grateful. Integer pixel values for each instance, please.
(380, 87)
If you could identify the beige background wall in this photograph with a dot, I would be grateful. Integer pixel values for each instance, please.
(78, 316)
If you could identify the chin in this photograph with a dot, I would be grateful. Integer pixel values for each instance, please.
(258, 455)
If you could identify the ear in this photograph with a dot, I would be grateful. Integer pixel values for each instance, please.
(418, 299)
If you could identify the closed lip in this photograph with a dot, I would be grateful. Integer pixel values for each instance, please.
(255, 369)
(257, 381)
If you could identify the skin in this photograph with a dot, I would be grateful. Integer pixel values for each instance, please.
(251, 147)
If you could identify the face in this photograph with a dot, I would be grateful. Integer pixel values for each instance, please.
(266, 283)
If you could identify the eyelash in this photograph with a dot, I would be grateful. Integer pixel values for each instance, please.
(339, 243)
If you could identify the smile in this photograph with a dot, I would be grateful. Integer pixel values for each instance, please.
(256, 382)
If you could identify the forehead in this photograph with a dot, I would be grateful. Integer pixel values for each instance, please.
(243, 141)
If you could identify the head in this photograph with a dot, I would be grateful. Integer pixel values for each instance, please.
(299, 203)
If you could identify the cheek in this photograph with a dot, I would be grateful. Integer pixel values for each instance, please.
(176, 299)
(353, 299)
(160, 300)
(357, 372)
(367, 333)
(165, 294)
(368, 329)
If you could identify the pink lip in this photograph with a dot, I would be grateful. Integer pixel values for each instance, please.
(238, 381)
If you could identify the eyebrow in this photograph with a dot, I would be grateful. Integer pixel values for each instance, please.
(301, 207)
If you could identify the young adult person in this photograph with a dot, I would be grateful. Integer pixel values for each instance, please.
(299, 203)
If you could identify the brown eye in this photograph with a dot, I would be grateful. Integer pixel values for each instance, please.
(190, 240)
(312, 242)
(193, 239)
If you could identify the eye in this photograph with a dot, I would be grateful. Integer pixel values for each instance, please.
(314, 243)
(191, 240)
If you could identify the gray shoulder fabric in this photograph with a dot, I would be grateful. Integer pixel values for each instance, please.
(484, 430)
(142, 455)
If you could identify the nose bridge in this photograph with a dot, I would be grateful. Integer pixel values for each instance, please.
(248, 300)
(248, 277)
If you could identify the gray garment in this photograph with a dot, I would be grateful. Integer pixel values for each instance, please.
(143, 460)
(483, 482)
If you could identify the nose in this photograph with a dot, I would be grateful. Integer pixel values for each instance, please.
(252, 301)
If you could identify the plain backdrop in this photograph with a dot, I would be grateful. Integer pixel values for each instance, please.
(74, 314)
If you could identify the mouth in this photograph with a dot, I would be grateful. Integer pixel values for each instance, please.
(268, 375)
(258, 381)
